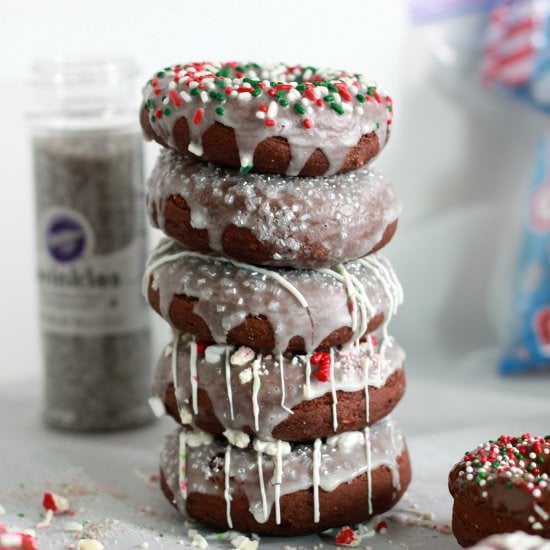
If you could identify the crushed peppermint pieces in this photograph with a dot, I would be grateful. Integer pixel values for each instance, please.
(381, 527)
(347, 537)
(242, 356)
(56, 503)
(321, 360)
(12, 539)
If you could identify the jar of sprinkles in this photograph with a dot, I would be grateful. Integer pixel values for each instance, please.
(90, 244)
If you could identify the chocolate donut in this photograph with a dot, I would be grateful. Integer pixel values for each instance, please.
(276, 119)
(501, 487)
(272, 220)
(227, 302)
(305, 488)
(236, 392)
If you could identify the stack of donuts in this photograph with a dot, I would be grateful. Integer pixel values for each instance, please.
(281, 372)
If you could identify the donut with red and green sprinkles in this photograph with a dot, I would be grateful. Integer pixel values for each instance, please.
(502, 486)
(283, 119)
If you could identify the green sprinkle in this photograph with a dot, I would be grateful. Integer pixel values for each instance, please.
(371, 90)
(153, 118)
(301, 87)
(389, 108)
(225, 72)
(540, 459)
(495, 464)
(281, 94)
(246, 169)
(219, 83)
(167, 111)
(273, 84)
(378, 125)
(508, 485)
(332, 87)
(360, 98)
(216, 95)
(257, 92)
(20, 515)
(149, 104)
(195, 91)
(160, 74)
(283, 102)
(328, 98)
(338, 108)
(299, 108)
(220, 111)
(252, 82)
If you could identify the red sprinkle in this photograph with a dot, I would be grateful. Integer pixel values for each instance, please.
(310, 94)
(198, 115)
(263, 108)
(157, 91)
(175, 98)
(319, 102)
(241, 89)
(269, 122)
(201, 346)
(345, 536)
(307, 123)
(321, 359)
(286, 87)
(381, 527)
(158, 113)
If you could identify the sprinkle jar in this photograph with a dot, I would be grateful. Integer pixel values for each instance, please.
(90, 244)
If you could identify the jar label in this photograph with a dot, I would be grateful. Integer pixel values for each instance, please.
(82, 292)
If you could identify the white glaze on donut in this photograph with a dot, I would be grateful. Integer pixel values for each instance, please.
(337, 118)
(307, 303)
(356, 368)
(342, 458)
(346, 214)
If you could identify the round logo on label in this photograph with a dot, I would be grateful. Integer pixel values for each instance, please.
(67, 236)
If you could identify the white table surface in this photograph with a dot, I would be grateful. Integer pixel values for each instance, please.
(106, 476)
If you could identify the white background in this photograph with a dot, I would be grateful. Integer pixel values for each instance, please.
(459, 158)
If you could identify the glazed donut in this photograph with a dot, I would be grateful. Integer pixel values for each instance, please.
(236, 392)
(272, 220)
(501, 487)
(305, 488)
(277, 119)
(227, 302)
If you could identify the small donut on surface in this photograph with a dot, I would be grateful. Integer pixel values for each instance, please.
(502, 487)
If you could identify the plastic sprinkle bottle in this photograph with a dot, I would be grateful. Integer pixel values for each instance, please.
(90, 244)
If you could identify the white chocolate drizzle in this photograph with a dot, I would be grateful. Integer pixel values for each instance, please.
(262, 485)
(316, 479)
(283, 389)
(226, 492)
(333, 391)
(256, 384)
(277, 481)
(193, 375)
(368, 454)
(228, 350)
